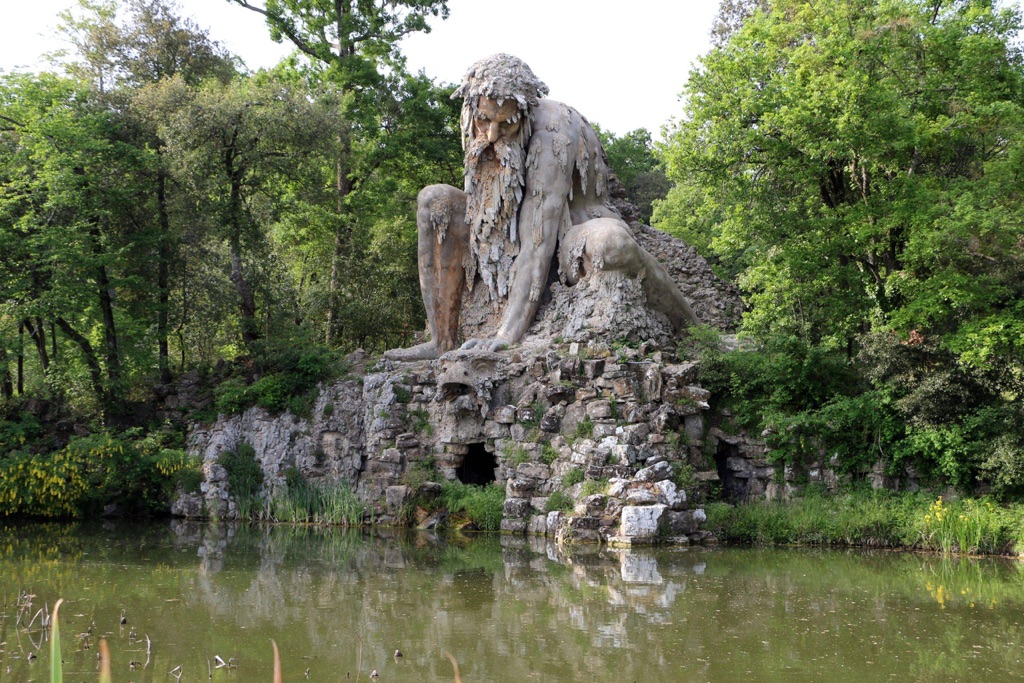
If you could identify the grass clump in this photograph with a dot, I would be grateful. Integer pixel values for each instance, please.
(592, 486)
(421, 422)
(548, 454)
(481, 505)
(874, 518)
(323, 504)
(572, 477)
(245, 477)
(517, 456)
(584, 429)
(559, 501)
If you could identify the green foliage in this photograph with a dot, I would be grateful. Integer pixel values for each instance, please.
(231, 396)
(683, 476)
(874, 518)
(631, 157)
(245, 477)
(592, 486)
(88, 474)
(421, 422)
(288, 383)
(481, 505)
(160, 212)
(840, 157)
(548, 454)
(302, 502)
(559, 500)
(573, 477)
(584, 429)
(517, 456)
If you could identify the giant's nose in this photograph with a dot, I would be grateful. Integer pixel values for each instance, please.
(493, 131)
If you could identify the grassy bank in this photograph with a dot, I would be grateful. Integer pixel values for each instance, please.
(878, 519)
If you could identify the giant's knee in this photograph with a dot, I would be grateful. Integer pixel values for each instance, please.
(440, 206)
(611, 247)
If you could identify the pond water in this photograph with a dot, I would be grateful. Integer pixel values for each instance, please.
(507, 609)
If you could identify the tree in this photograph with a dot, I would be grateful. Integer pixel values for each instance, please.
(857, 162)
(120, 59)
(354, 43)
(67, 196)
(631, 157)
(233, 145)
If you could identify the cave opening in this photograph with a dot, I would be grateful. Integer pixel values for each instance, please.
(478, 466)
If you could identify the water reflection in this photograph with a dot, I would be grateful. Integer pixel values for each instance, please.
(509, 609)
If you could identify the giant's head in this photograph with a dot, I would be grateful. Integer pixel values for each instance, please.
(499, 94)
(499, 86)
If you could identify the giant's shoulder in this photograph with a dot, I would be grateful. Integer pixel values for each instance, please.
(555, 116)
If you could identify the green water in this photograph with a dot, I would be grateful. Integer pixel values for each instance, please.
(508, 610)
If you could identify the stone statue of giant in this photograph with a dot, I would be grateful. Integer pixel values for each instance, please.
(536, 196)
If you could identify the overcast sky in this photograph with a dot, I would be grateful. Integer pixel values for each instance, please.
(621, 64)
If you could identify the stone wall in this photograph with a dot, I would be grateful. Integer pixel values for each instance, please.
(629, 418)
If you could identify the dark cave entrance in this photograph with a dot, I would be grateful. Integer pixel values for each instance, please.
(477, 466)
(734, 488)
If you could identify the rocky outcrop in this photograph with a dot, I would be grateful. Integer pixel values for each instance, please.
(715, 301)
(606, 432)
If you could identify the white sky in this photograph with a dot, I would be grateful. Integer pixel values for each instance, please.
(621, 64)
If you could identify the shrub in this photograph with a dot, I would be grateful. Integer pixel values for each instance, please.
(245, 477)
(592, 486)
(231, 396)
(572, 477)
(88, 474)
(481, 505)
(559, 500)
(584, 429)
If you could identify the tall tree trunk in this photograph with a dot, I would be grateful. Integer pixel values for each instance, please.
(163, 276)
(21, 358)
(246, 298)
(93, 363)
(109, 330)
(7, 382)
(342, 235)
(38, 335)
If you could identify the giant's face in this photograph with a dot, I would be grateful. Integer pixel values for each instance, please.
(496, 122)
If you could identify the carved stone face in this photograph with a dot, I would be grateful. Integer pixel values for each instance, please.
(494, 121)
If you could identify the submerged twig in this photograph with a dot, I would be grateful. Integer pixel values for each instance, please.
(455, 665)
(104, 661)
(277, 662)
(359, 659)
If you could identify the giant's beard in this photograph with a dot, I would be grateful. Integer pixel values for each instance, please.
(494, 185)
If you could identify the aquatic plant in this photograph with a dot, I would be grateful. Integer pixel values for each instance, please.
(325, 503)
(874, 518)
(962, 526)
(481, 505)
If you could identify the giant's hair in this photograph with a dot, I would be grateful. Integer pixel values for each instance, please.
(500, 77)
